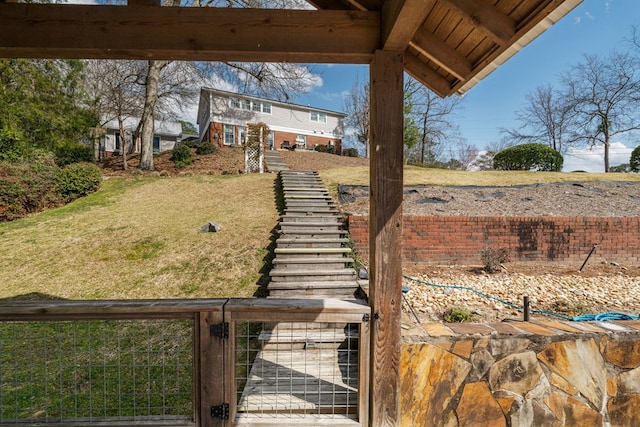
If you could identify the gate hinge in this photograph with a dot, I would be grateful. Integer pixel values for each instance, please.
(221, 330)
(220, 411)
(366, 317)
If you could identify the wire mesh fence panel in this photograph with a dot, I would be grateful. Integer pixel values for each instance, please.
(106, 370)
(297, 371)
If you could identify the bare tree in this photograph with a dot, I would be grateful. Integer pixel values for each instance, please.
(604, 95)
(546, 118)
(356, 106)
(114, 88)
(435, 118)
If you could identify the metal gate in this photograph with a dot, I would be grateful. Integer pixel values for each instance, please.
(184, 362)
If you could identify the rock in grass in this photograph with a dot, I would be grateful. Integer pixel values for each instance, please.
(210, 227)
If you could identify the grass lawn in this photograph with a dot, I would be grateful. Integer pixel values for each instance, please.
(420, 176)
(139, 238)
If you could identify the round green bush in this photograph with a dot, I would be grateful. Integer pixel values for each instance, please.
(330, 149)
(77, 180)
(181, 156)
(74, 153)
(528, 157)
(634, 161)
(206, 147)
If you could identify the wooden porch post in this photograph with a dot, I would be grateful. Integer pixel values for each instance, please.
(385, 234)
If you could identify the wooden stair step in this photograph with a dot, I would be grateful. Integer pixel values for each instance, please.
(309, 224)
(311, 189)
(306, 240)
(311, 210)
(311, 260)
(288, 275)
(302, 251)
(308, 197)
(315, 284)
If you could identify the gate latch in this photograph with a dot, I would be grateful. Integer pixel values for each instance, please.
(220, 411)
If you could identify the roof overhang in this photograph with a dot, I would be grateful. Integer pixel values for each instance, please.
(448, 45)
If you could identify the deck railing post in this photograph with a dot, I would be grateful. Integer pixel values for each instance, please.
(385, 234)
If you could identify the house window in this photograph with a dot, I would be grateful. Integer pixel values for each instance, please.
(301, 141)
(245, 104)
(318, 117)
(266, 108)
(235, 103)
(256, 106)
(229, 135)
(117, 146)
(156, 144)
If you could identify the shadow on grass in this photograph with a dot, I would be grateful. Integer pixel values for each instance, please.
(267, 260)
(33, 296)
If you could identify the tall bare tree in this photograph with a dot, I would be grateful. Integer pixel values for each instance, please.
(356, 106)
(115, 88)
(436, 118)
(546, 118)
(604, 94)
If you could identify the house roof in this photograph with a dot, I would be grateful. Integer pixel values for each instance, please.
(160, 127)
(273, 102)
(448, 45)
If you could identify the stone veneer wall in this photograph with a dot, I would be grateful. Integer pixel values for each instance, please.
(459, 240)
(542, 373)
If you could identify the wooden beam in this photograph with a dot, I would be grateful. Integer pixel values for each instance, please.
(385, 234)
(426, 75)
(495, 24)
(330, 4)
(400, 19)
(441, 53)
(187, 33)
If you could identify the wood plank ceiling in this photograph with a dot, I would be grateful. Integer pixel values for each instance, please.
(448, 45)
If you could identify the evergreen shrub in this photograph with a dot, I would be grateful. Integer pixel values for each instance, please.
(181, 156)
(529, 157)
(77, 180)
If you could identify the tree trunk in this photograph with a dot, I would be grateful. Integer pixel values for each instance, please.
(606, 154)
(123, 144)
(150, 100)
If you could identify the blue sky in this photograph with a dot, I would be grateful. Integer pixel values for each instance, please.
(595, 26)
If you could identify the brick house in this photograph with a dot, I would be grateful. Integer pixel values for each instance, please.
(223, 118)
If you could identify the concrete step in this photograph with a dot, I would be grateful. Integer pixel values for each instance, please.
(302, 339)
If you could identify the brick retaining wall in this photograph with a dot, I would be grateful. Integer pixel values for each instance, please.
(459, 240)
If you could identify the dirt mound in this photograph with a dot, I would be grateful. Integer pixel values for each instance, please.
(225, 161)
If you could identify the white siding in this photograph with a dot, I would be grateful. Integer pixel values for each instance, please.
(283, 117)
